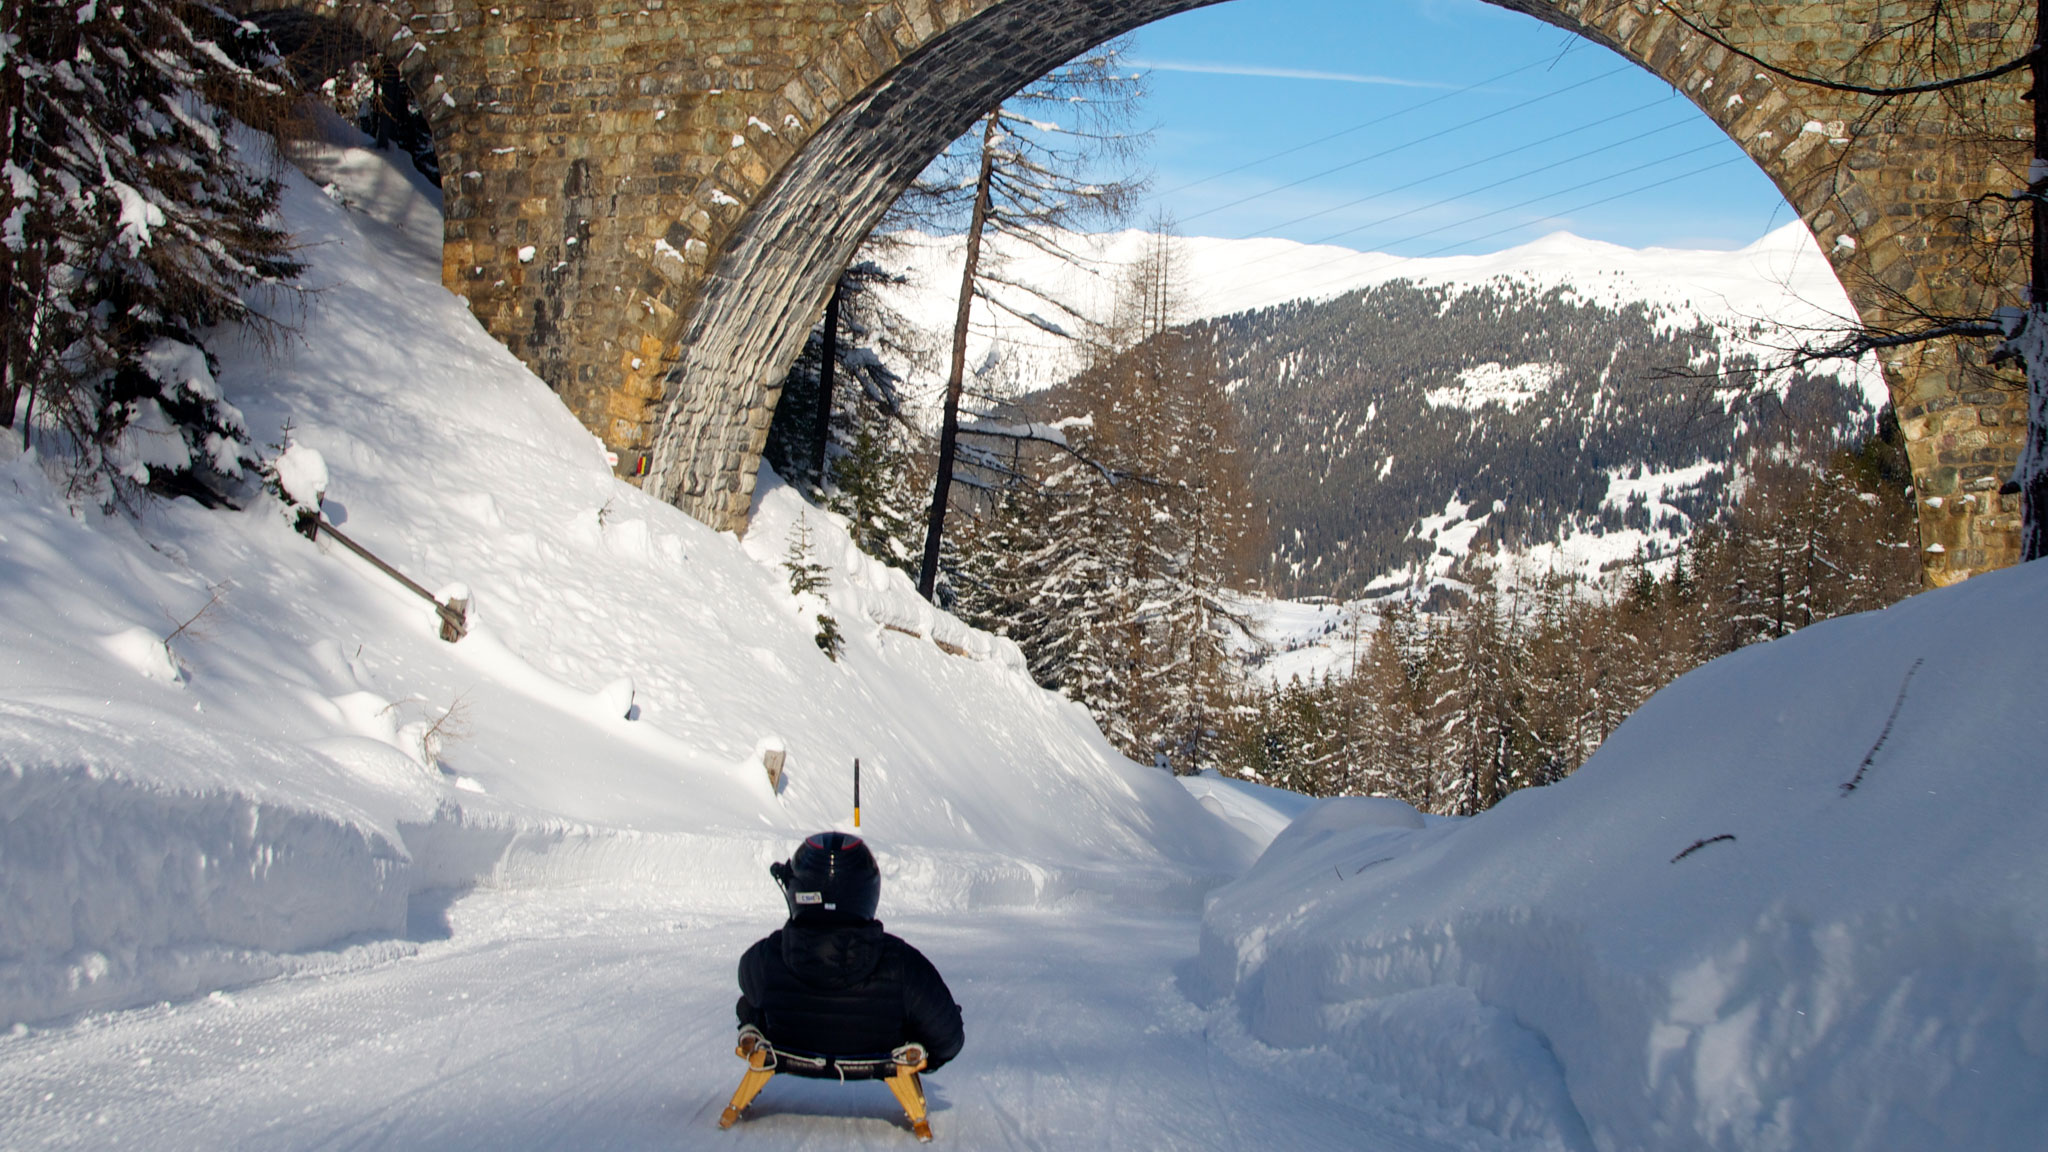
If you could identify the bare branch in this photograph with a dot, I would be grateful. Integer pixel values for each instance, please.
(2005, 69)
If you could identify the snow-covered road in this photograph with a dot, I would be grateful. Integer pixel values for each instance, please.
(544, 1024)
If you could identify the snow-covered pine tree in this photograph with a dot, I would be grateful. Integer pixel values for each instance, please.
(1076, 629)
(856, 414)
(129, 224)
(808, 581)
(876, 483)
(820, 410)
(1476, 706)
(1141, 540)
(1403, 669)
(1566, 676)
(1192, 516)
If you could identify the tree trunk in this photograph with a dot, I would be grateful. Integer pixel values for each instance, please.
(2033, 474)
(949, 426)
(828, 362)
(18, 302)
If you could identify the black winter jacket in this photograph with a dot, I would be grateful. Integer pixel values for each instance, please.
(847, 990)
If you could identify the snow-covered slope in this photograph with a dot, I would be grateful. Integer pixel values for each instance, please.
(1712, 939)
(1781, 280)
(1305, 640)
(187, 815)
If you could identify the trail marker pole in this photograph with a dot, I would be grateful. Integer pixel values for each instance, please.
(856, 792)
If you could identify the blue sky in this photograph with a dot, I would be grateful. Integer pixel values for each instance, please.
(1492, 129)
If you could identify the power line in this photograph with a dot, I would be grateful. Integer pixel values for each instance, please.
(1343, 132)
(1593, 203)
(1394, 260)
(1506, 180)
(1494, 115)
(1554, 137)
(1455, 197)
(1533, 200)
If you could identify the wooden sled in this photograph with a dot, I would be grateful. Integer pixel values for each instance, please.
(899, 1072)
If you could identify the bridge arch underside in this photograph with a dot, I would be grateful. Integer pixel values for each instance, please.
(769, 276)
(340, 31)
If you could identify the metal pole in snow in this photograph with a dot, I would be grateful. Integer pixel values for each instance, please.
(856, 792)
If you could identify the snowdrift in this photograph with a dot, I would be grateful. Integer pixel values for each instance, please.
(305, 770)
(1706, 939)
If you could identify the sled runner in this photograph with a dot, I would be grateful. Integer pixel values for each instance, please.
(897, 1069)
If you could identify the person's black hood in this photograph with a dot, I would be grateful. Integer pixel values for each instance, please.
(832, 955)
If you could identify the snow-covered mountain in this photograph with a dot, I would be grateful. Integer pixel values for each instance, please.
(1395, 429)
(1396, 411)
(1782, 280)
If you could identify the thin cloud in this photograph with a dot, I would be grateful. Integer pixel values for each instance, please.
(1210, 69)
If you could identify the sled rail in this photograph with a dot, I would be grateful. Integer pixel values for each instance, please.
(900, 1073)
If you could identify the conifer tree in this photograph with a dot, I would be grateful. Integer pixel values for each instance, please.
(1143, 530)
(130, 223)
(853, 418)
(1454, 708)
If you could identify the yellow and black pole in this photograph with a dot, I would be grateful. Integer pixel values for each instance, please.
(856, 793)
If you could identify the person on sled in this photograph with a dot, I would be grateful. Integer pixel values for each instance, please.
(831, 983)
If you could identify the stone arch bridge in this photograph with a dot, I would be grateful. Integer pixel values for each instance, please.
(648, 200)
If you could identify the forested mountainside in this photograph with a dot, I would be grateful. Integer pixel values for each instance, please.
(1527, 408)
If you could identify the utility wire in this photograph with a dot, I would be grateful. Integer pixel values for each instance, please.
(1506, 180)
(1384, 152)
(1396, 260)
(1343, 132)
(1700, 171)
(1551, 139)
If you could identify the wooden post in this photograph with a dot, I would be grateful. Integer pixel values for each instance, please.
(454, 614)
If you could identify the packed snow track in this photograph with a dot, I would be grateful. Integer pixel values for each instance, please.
(542, 1024)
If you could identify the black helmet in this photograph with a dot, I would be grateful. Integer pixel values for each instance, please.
(832, 877)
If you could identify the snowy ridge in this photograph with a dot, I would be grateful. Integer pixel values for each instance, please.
(1780, 284)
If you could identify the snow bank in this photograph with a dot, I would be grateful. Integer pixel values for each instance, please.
(1257, 812)
(1718, 945)
(119, 887)
(228, 751)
